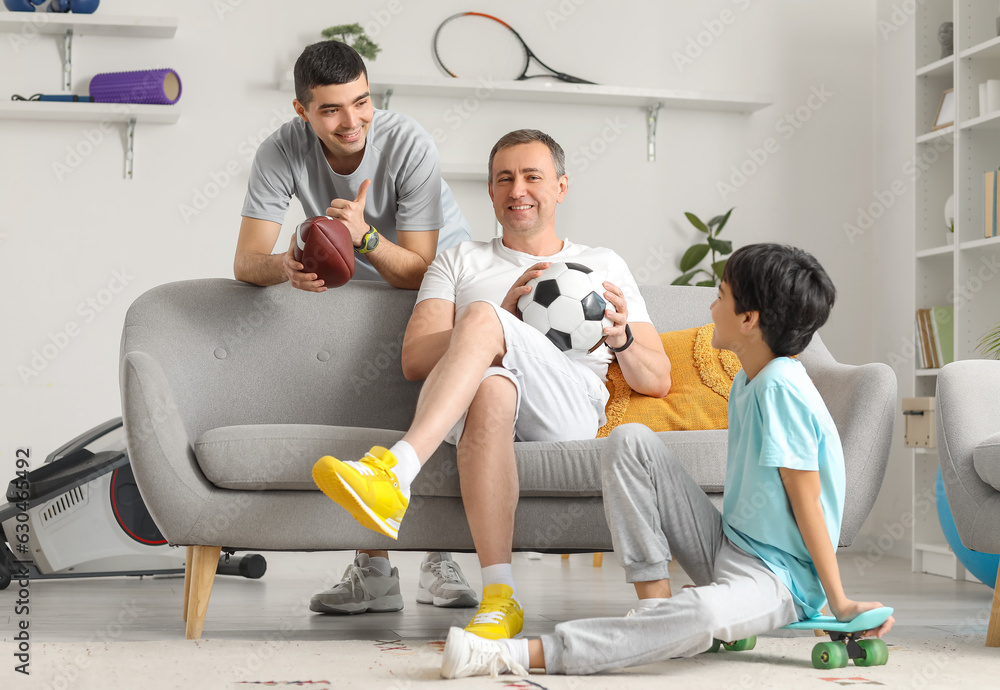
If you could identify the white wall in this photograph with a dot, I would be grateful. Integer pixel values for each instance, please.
(63, 238)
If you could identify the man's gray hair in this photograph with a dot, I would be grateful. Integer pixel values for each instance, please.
(527, 136)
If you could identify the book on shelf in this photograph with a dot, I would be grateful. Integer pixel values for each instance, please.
(935, 337)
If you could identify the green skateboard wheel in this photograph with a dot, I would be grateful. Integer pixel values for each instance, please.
(828, 655)
(715, 646)
(876, 653)
(741, 645)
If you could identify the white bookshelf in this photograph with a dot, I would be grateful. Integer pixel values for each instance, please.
(956, 159)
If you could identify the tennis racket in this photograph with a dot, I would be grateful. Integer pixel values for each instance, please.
(473, 44)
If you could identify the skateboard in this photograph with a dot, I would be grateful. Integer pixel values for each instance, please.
(843, 645)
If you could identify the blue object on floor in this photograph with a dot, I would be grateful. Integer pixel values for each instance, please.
(982, 565)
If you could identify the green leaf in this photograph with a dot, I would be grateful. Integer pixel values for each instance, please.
(706, 283)
(343, 30)
(684, 279)
(721, 220)
(696, 221)
(990, 343)
(719, 267)
(366, 48)
(693, 256)
(722, 246)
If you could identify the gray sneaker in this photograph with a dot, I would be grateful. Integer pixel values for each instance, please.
(363, 589)
(443, 584)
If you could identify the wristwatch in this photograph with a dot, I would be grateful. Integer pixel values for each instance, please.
(369, 241)
(628, 341)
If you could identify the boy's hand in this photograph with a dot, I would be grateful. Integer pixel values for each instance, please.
(848, 610)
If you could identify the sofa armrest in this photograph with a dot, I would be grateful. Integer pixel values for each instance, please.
(160, 450)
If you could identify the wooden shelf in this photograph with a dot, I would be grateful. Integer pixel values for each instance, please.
(987, 50)
(87, 24)
(89, 112)
(939, 68)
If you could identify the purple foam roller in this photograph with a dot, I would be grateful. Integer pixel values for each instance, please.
(156, 86)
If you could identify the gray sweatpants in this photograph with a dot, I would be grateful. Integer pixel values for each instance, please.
(656, 512)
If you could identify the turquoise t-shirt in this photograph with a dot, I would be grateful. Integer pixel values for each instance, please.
(779, 420)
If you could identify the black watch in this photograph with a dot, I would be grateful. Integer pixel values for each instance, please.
(628, 341)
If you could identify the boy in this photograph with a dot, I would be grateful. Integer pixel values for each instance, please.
(769, 558)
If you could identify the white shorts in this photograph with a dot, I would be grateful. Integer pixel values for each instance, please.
(558, 399)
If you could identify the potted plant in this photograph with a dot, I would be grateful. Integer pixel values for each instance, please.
(990, 343)
(697, 252)
(366, 48)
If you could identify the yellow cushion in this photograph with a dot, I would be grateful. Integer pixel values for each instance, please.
(700, 379)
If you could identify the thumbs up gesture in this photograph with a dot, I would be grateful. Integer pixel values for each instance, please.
(352, 213)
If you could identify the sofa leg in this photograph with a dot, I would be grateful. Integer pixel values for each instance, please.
(993, 632)
(188, 559)
(204, 563)
(598, 559)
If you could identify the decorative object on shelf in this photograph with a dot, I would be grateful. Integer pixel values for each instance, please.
(63, 98)
(946, 111)
(920, 427)
(949, 219)
(695, 253)
(153, 86)
(474, 44)
(982, 565)
(989, 344)
(77, 6)
(991, 203)
(992, 95)
(366, 47)
(984, 102)
(946, 37)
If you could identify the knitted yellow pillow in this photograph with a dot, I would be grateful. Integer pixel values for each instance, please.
(700, 379)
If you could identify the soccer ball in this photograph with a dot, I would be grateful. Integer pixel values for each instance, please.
(567, 305)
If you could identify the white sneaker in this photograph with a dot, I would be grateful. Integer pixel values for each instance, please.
(443, 584)
(363, 589)
(466, 654)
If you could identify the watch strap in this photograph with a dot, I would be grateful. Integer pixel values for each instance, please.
(369, 241)
(628, 341)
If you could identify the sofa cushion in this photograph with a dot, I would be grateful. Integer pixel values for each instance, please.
(986, 458)
(700, 379)
(280, 457)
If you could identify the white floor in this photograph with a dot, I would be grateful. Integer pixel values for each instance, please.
(551, 590)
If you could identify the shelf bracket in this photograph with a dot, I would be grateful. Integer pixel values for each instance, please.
(68, 60)
(384, 105)
(129, 147)
(652, 113)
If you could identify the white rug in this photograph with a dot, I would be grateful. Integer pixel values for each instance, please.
(951, 661)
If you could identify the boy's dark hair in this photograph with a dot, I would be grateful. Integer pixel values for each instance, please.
(324, 63)
(787, 287)
(527, 136)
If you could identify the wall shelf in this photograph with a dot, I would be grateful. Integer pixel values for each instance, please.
(937, 69)
(979, 244)
(651, 100)
(988, 121)
(29, 23)
(931, 136)
(89, 112)
(464, 172)
(987, 50)
(935, 251)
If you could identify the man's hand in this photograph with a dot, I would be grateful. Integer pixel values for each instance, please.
(615, 334)
(352, 213)
(848, 610)
(298, 279)
(520, 288)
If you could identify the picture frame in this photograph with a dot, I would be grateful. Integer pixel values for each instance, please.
(946, 111)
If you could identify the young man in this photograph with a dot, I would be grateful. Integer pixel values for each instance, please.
(770, 557)
(491, 378)
(371, 169)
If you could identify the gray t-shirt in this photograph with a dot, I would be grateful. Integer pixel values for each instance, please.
(401, 159)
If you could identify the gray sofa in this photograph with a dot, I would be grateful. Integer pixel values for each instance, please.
(968, 433)
(230, 392)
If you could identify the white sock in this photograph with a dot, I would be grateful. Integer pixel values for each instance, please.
(650, 603)
(407, 465)
(499, 574)
(518, 650)
(382, 565)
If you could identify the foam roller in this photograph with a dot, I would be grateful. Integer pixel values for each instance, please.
(156, 86)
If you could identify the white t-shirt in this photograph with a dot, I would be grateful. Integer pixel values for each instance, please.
(475, 271)
(401, 160)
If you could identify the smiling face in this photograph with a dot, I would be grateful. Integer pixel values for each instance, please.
(340, 115)
(525, 188)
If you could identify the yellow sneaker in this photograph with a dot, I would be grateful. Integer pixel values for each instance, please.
(367, 489)
(499, 615)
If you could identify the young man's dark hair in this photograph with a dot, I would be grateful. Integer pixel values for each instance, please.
(323, 63)
(787, 287)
